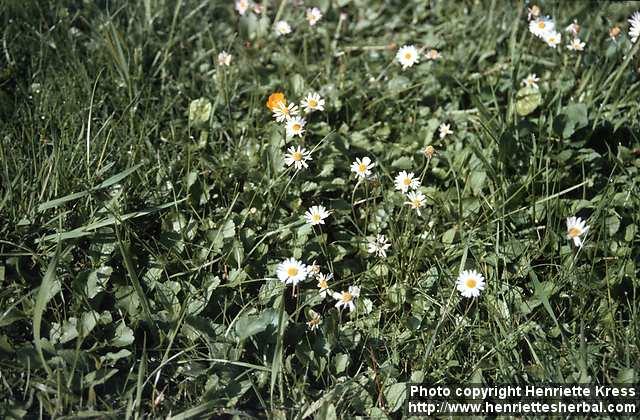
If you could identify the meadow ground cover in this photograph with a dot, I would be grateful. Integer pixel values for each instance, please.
(292, 209)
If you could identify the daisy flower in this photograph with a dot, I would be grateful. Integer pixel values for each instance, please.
(541, 26)
(531, 81)
(416, 200)
(614, 32)
(291, 271)
(295, 126)
(316, 215)
(283, 112)
(362, 167)
(315, 320)
(314, 268)
(242, 6)
(576, 227)
(378, 246)
(323, 283)
(405, 181)
(276, 100)
(432, 54)
(470, 283)
(345, 299)
(553, 39)
(282, 28)
(534, 12)
(313, 102)
(576, 45)
(634, 27)
(574, 28)
(224, 59)
(407, 56)
(444, 130)
(297, 157)
(313, 16)
(429, 151)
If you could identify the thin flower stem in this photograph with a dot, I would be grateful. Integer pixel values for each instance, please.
(435, 331)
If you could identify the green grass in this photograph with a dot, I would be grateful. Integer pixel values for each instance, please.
(138, 247)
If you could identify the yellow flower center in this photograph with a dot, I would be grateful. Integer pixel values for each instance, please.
(346, 297)
(296, 127)
(323, 284)
(297, 156)
(416, 202)
(362, 167)
(574, 231)
(408, 55)
(541, 24)
(471, 283)
(407, 181)
(314, 322)
(292, 271)
(315, 217)
(312, 103)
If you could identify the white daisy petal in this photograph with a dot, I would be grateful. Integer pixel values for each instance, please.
(295, 126)
(576, 228)
(316, 215)
(444, 130)
(313, 15)
(362, 167)
(416, 199)
(378, 246)
(405, 181)
(407, 56)
(291, 271)
(346, 298)
(224, 59)
(297, 157)
(634, 27)
(312, 102)
(541, 26)
(470, 283)
(531, 81)
(282, 28)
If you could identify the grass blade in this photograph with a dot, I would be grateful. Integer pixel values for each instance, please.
(41, 302)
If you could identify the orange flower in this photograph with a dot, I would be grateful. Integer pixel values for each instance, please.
(275, 100)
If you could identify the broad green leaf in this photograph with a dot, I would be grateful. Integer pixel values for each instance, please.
(528, 99)
(613, 224)
(65, 332)
(97, 281)
(123, 336)
(395, 396)
(572, 118)
(248, 325)
(340, 363)
(199, 112)
(88, 321)
(449, 235)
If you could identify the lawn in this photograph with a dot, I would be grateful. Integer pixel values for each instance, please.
(294, 209)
